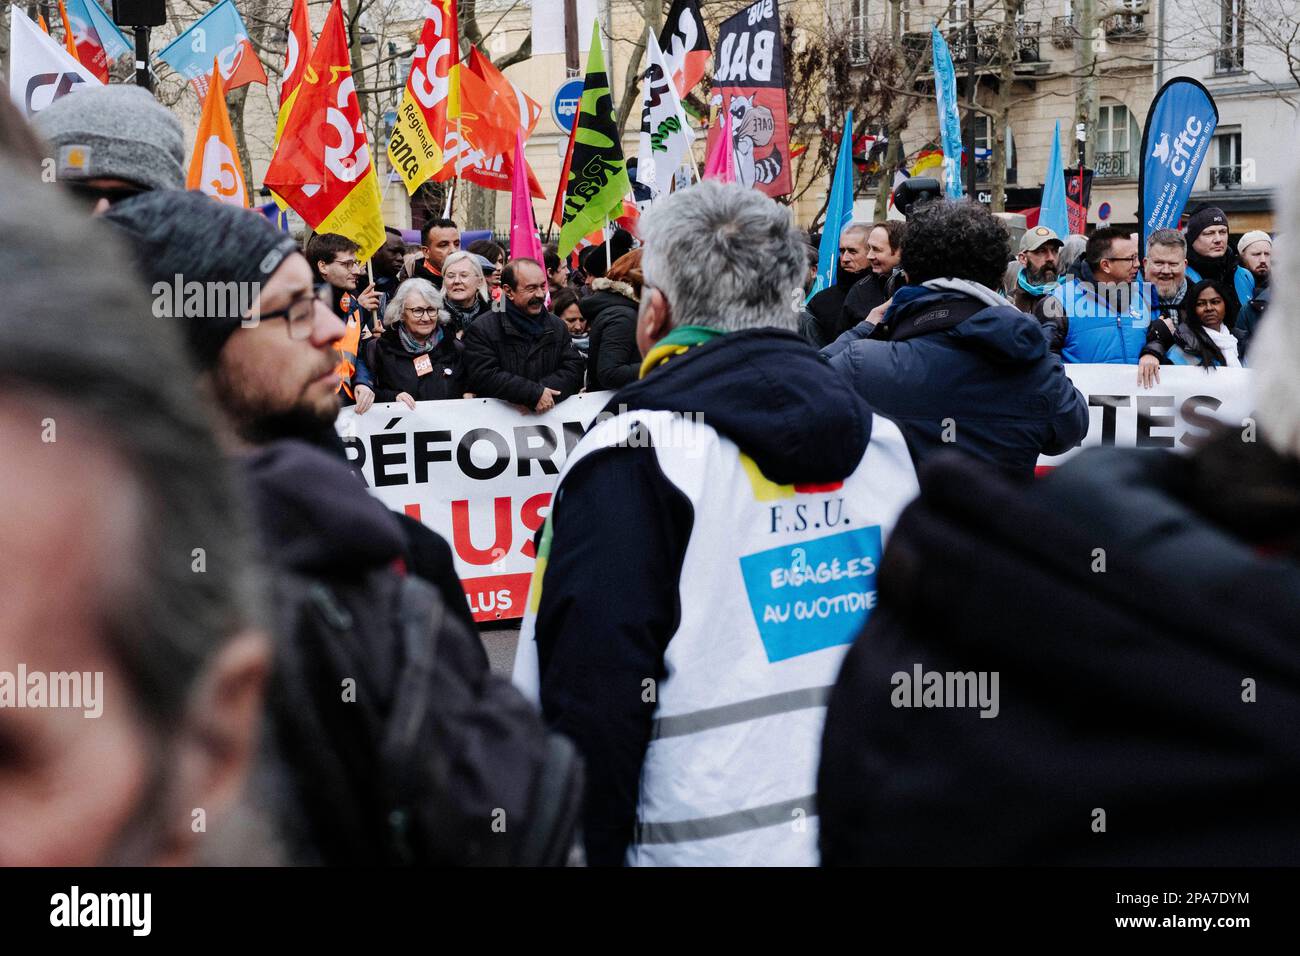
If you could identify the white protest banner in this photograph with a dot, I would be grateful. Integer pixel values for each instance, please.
(40, 70)
(1172, 414)
(477, 471)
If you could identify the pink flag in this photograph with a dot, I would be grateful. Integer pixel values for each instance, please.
(721, 162)
(524, 241)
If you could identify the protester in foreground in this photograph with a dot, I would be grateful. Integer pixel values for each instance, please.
(414, 764)
(883, 279)
(1200, 337)
(464, 290)
(117, 495)
(611, 312)
(440, 238)
(1097, 313)
(522, 354)
(672, 537)
(417, 359)
(565, 304)
(1165, 271)
(1210, 256)
(954, 363)
(1039, 249)
(1131, 730)
(826, 308)
(112, 142)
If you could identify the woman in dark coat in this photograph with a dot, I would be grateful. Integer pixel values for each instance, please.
(613, 359)
(417, 358)
(1202, 336)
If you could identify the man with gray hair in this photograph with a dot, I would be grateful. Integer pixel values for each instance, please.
(711, 548)
(1165, 270)
(826, 308)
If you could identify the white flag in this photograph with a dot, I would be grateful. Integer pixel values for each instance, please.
(40, 70)
(666, 136)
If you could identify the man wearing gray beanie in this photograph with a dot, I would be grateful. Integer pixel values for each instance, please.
(111, 142)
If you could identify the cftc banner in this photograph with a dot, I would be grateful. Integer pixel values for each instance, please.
(1175, 140)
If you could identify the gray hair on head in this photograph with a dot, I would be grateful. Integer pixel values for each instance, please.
(472, 259)
(420, 287)
(725, 257)
(1170, 238)
(857, 226)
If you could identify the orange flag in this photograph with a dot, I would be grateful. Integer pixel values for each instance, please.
(44, 26)
(69, 41)
(322, 165)
(215, 167)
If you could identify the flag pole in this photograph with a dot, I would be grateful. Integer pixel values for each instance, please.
(609, 237)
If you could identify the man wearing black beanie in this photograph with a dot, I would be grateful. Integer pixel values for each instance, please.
(262, 336)
(1209, 256)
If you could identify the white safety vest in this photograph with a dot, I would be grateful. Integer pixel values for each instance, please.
(777, 581)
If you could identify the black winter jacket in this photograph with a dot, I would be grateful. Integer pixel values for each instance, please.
(613, 359)
(1121, 690)
(503, 361)
(1160, 340)
(393, 369)
(827, 308)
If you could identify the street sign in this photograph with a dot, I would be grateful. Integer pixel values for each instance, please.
(564, 105)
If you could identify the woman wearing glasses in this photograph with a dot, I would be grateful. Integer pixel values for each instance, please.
(417, 358)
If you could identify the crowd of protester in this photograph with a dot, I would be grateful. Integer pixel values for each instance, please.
(321, 689)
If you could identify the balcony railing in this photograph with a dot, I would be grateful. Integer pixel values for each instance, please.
(1225, 177)
(1111, 165)
(916, 46)
(1063, 32)
(1126, 26)
(858, 33)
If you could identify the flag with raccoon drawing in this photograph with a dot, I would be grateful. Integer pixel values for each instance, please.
(749, 82)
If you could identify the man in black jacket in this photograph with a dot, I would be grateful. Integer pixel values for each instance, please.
(523, 354)
(827, 307)
(1137, 718)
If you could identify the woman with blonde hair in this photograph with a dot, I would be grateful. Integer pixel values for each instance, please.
(417, 358)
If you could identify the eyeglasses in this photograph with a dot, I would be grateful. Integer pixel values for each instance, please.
(420, 312)
(1133, 258)
(348, 263)
(300, 314)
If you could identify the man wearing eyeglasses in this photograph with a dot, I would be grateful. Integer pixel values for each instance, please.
(1099, 314)
(523, 354)
(334, 261)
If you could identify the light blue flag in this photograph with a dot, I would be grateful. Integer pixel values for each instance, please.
(839, 211)
(945, 93)
(219, 33)
(1052, 211)
(110, 37)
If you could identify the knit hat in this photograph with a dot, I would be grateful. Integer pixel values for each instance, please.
(117, 131)
(1203, 219)
(196, 246)
(1252, 237)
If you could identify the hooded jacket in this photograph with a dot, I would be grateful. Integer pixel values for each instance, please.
(957, 366)
(623, 537)
(613, 359)
(1124, 691)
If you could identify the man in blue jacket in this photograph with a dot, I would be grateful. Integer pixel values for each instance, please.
(955, 364)
(1100, 312)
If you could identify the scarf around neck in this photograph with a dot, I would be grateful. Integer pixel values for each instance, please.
(415, 347)
(680, 340)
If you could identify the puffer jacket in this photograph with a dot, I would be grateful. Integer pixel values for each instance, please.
(957, 366)
(613, 359)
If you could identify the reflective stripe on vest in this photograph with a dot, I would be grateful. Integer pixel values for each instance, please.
(776, 581)
(347, 348)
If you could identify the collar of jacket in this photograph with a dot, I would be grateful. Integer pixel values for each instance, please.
(517, 322)
(933, 290)
(614, 285)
